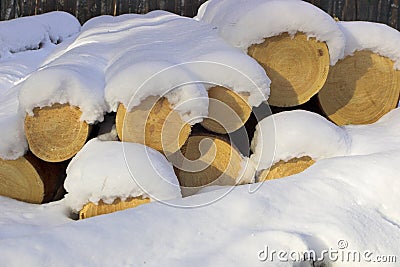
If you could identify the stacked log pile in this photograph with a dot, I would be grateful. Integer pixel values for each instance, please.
(358, 89)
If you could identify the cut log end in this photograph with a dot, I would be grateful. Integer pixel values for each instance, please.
(297, 66)
(91, 209)
(286, 168)
(56, 133)
(227, 111)
(20, 180)
(30, 179)
(360, 89)
(153, 123)
(208, 161)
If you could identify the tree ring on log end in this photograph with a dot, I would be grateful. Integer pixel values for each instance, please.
(56, 133)
(227, 110)
(209, 160)
(153, 123)
(297, 66)
(360, 89)
(20, 180)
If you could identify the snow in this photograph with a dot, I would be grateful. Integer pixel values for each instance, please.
(299, 133)
(13, 70)
(243, 23)
(128, 58)
(21, 55)
(349, 194)
(345, 198)
(294, 134)
(106, 170)
(362, 35)
(31, 33)
(177, 67)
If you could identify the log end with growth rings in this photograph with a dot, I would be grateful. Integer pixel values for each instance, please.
(208, 160)
(297, 66)
(227, 110)
(360, 89)
(153, 123)
(56, 133)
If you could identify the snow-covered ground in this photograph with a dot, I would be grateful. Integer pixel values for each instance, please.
(337, 200)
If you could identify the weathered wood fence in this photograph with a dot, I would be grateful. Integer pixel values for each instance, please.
(385, 11)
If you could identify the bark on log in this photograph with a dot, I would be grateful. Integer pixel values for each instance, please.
(30, 179)
(360, 89)
(227, 111)
(297, 66)
(153, 123)
(208, 160)
(56, 133)
(286, 168)
(91, 209)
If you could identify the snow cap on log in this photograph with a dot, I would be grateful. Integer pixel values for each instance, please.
(107, 170)
(124, 60)
(376, 37)
(14, 69)
(243, 23)
(180, 68)
(295, 134)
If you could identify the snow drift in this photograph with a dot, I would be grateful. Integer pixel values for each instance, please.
(33, 32)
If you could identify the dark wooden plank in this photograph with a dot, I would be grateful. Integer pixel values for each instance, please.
(383, 11)
(373, 10)
(124, 7)
(362, 9)
(394, 14)
(349, 11)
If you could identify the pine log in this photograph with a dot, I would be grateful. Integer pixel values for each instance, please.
(153, 123)
(360, 89)
(208, 160)
(227, 111)
(56, 133)
(30, 179)
(92, 209)
(297, 66)
(286, 168)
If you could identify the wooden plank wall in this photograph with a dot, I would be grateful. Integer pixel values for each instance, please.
(385, 11)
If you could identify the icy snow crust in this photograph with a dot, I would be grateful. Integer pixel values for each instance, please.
(245, 22)
(31, 33)
(128, 58)
(106, 170)
(299, 133)
(376, 37)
